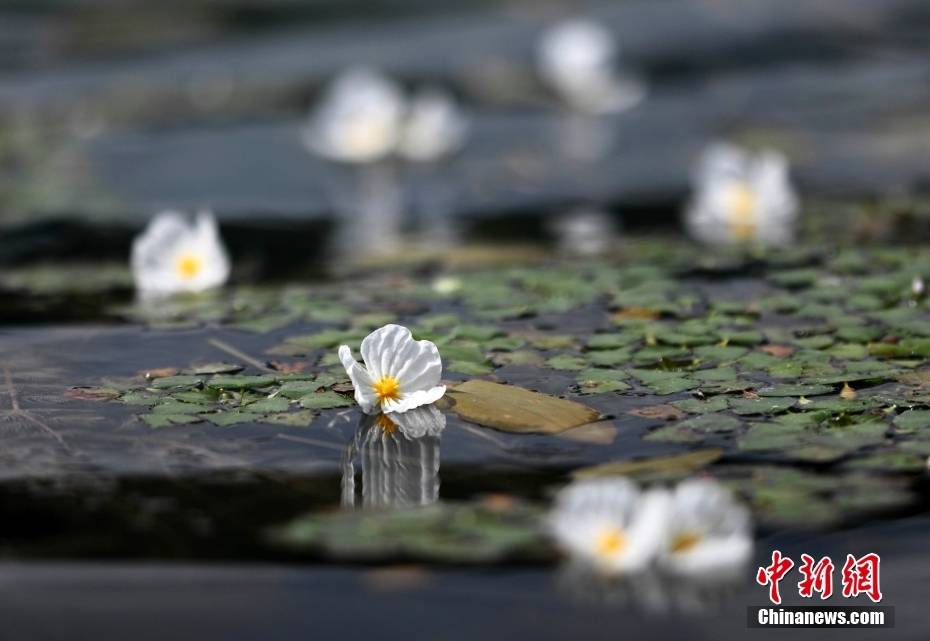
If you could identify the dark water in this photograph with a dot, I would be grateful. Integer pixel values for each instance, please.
(272, 601)
(110, 524)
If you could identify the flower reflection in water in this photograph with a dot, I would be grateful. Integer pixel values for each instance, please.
(399, 457)
(585, 232)
(369, 121)
(578, 59)
(650, 591)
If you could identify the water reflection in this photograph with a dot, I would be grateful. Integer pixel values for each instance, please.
(399, 459)
(368, 122)
(585, 138)
(585, 232)
(650, 591)
(376, 213)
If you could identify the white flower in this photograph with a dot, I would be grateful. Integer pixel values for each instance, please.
(740, 197)
(447, 285)
(577, 58)
(399, 374)
(609, 524)
(708, 534)
(434, 128)
(175, 255)
(359, 119)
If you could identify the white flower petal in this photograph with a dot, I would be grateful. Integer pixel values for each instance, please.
(417, 366)
(576, 57)
(648, 528)
(575, 51)
(379, 346)
(168, 239)
(415, 399)
(720, 527)
(359, 119)
(713, 559)
(584, 510)
(391, 353)
(420, 422)
(725, 169)
(434, 127)
(361, 381)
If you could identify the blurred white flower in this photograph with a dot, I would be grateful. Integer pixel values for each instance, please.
(585, 232)
(434, 128)
(577, 58)
(175, 255)
(740, 197)
(708, 533)
(447, 285)
(365, 117)
(400, 373)
(360, 118)
(609, 524)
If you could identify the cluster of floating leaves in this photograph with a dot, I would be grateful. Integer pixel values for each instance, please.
(798, 377)
(483, 532)
(220, 394)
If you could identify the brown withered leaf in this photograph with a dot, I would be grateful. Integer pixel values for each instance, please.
(514, 409)
(662, 412)
(92, 393)
(655, 469)
(778, 351)
(293, 367)
(162, 372)
(600, 433)
(643, 313)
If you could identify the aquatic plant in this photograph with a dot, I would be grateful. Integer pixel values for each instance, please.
(366, 117)
(577, 58)
(435, 127)
(174, 255)
(609, 524)
(708, 532)
(695, 530)
(400, 373)
(740, 197)
(359, 119)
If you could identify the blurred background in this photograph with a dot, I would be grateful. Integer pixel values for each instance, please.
(113, 110)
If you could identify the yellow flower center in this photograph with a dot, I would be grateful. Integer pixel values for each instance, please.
(741, 205)
(685, 541)
(188, 266)
(387, 425)
(610, 542)
(387, 388)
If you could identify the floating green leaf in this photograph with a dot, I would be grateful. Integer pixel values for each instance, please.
(324, 400)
